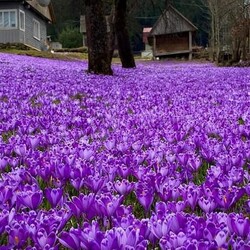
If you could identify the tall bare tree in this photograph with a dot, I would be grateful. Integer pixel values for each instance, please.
(229, 28)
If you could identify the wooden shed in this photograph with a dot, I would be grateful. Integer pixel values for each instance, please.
(172, 34)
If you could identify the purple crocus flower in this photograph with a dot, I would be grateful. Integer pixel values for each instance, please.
(118, 238)
(206, 204)
(210, 231)
(6, 194)
(139, 171)
(91, 236)
(221, 238)
(3, 162)
(18, 234)
(192, 195)
(165, 193)
(107, 204)
(63, 217)
(33, 141)
(21, 149)
(145, 196)
(5, 218)
(227, 197)
(63, 171)
(30, 199)
(43, 238)
(110, 144)
(110, 241)
(77, 183)
(123, 187)
(124, 171)
(183, 158)
(69, 159)
(194, 163)
(70, 239)
(239, 243)
(173, 241)
(84, 204)
(247, 188)
(178, 223)
(161, 209)
(86, 154)
(137, 145)
(160, 228)
(54, 196)
(178, 206)
(96, 182)
(238, 224)
(134, 239)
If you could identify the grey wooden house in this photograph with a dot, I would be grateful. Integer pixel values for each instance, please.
(25, 21)
(172, 34)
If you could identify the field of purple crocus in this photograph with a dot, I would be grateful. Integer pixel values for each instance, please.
(156, 157)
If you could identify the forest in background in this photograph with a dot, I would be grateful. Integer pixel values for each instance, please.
(140, 14)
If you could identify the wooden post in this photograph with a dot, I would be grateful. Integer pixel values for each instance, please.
(190, 45)
(154, 46)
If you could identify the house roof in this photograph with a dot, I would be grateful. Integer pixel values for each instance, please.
(45, 12)
(147, 30)
(172, 21)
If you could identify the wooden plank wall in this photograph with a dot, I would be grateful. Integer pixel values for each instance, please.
(172, 43)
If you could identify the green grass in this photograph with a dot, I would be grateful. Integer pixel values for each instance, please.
(47, 54)
(240, 206)
(241, 121)
(56, 101)
(57, 55)
(6, 135)
(201, 173)
(138, 210)
(215, 136)
(4, 98)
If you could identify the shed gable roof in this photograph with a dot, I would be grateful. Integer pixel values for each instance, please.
(172, 21)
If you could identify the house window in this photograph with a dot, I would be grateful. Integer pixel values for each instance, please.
(8, 19)
(22, 20)
(36, 29)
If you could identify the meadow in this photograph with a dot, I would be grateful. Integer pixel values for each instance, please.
(156, 157)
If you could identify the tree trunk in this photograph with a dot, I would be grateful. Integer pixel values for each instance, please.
(111, 45)
(122, 35)
(212, 41)
(244, 39)
(236, 50)
(97, 39)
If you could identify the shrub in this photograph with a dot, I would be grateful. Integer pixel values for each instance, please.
(71, 38)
